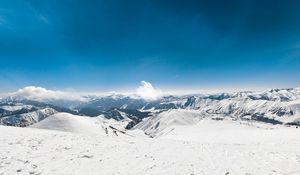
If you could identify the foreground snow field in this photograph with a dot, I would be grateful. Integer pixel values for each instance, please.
(210, 147)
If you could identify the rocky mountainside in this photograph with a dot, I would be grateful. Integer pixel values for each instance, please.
(23, 116)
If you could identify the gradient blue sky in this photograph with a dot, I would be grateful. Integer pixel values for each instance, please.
(103, 45)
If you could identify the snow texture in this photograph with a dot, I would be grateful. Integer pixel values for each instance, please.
(213, 147)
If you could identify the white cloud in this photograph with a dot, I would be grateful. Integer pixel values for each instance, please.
(148, 92)
(42, 94)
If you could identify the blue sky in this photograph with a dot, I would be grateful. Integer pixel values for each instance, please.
(104, 45)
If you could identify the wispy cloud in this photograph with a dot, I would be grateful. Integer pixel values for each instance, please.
(44, 19)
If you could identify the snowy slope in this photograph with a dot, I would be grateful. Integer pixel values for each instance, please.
(227, 131)
(80, 124)
(163, 122)
(224, 151)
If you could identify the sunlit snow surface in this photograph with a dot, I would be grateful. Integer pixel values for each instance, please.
(207, 147)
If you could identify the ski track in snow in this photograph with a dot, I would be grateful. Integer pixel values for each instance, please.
(37, 151)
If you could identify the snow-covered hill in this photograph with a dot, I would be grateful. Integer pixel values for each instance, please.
(163, 122)
(81, 124)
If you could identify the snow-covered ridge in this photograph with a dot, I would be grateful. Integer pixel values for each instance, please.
(26, 119)
(275, 106)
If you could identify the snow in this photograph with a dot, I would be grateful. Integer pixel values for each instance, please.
(77, 124)
(26, 119)
(227, 131)
(215, 147)
(157, 124)
(211, 135)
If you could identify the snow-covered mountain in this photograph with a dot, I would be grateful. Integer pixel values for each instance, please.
(226, 133)
(23, 115)
(275, 106)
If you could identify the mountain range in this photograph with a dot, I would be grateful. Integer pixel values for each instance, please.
(274, 106)
(51, 132)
